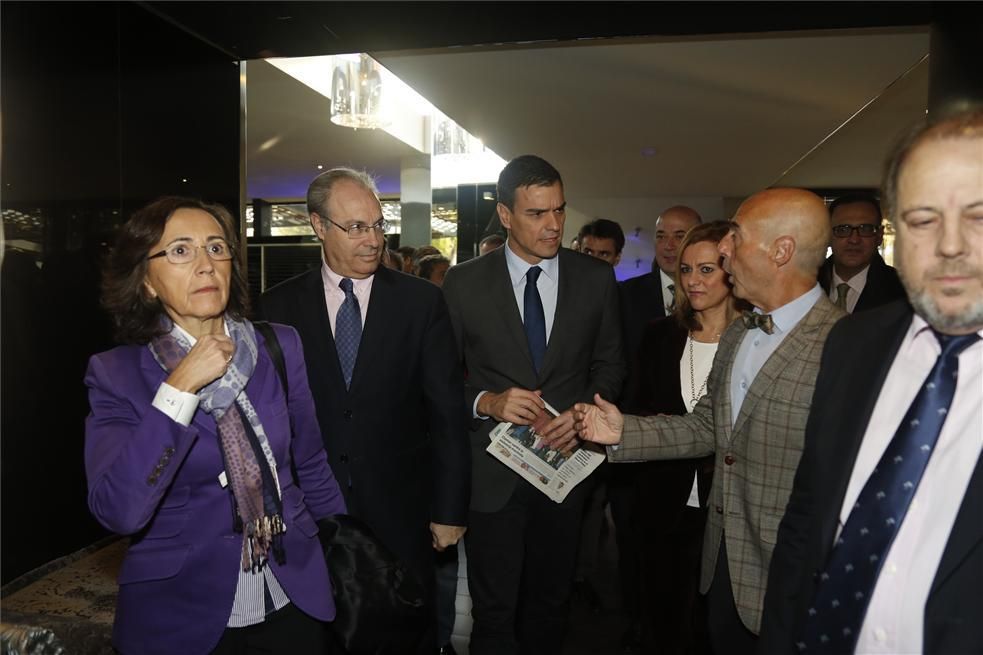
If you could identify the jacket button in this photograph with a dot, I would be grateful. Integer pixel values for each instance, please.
(718, 509)
(728, 459)
(347, 414)
(343, 459)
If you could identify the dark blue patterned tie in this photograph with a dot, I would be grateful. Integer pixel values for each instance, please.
(845, 586)
(348, 331)
(534, 318)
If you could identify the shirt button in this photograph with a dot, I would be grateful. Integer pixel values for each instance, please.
(729, 459)
(880, 634)
(719, 509)
(347, 414)
(343, 459)
(893, 568)
(757, 342)
(743, 384)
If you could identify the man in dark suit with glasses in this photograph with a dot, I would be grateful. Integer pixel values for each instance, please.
(855, 276)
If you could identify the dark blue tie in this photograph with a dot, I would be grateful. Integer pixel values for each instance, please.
(845, 586)
(534, 318)
(348, 331)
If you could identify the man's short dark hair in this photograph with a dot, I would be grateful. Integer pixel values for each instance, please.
(497, 239)
(602, 228)
(852, 198)
(523, 171)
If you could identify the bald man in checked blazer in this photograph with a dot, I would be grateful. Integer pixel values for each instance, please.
(754, 414)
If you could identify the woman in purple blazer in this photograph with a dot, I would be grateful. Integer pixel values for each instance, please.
(189, 451)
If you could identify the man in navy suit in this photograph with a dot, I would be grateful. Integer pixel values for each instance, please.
(855, 276)
(534, 322)
(389, 397)
(893, 438)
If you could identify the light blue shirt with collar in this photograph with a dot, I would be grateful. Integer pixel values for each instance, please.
(757, 346)
(548, 284)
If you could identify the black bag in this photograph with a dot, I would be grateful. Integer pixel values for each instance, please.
(380, 606)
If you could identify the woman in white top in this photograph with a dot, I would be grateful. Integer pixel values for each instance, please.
(676, 354)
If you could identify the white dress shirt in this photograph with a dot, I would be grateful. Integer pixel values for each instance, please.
(548, 284)
(757, 346)
(893, 624)
(334, 296)
(856, 284)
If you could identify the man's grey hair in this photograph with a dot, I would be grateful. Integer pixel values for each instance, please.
(319, 192)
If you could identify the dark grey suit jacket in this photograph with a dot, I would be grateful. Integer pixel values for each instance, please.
(584, 354)
(395, 439)
(855, 364)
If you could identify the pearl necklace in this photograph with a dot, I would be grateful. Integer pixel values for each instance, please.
(694, 394)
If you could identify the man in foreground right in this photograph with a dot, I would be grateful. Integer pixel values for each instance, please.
(881, 549)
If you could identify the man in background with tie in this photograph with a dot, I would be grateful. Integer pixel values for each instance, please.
(881, 550)
(754, 413)
(534, 323)
(650, 296)
(855, 276)
(385, 377)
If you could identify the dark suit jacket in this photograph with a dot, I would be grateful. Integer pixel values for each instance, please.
(397, 439)
(855, 363)
(584, 353)
(157, 481)
(653, 388)
(641, 303)
(883, 285)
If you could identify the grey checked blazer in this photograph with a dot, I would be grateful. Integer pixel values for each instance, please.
(755, 461)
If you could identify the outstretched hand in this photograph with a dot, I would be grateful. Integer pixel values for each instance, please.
(600, 423)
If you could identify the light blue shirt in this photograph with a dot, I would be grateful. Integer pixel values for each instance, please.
(548, 285)
(757, 346)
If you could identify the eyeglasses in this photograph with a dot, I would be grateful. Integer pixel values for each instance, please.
(185, 253)
(359, 230)
(844, 230)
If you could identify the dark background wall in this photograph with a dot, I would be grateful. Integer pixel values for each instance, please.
(105, 106)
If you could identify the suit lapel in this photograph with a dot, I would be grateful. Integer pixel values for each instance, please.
(730, 342)
(870, 363)
(373, 342)
(315, 318)
(502, 294)
(564, 298)
(786, 353)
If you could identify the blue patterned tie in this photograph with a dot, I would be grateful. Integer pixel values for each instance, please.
(534, 318)
(845, 586)
(348, 331)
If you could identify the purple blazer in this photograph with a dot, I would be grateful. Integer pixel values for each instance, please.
(157, 481)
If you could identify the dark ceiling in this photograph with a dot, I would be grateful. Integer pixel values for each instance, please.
(253, 30)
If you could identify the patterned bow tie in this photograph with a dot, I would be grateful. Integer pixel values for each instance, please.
(754, 320)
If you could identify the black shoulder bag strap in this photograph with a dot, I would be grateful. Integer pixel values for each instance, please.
(275, 351)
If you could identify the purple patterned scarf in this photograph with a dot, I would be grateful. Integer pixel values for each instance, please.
(249, 462)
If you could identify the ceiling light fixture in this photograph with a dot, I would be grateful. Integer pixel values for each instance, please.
(356, 93)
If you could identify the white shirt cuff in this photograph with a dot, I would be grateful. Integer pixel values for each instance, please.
(179, 406)
(474, 410)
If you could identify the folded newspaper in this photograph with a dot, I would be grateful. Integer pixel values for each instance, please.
(522, 449)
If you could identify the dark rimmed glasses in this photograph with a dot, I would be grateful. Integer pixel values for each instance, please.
(185, 253)
(358, 230)
(844, 230)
